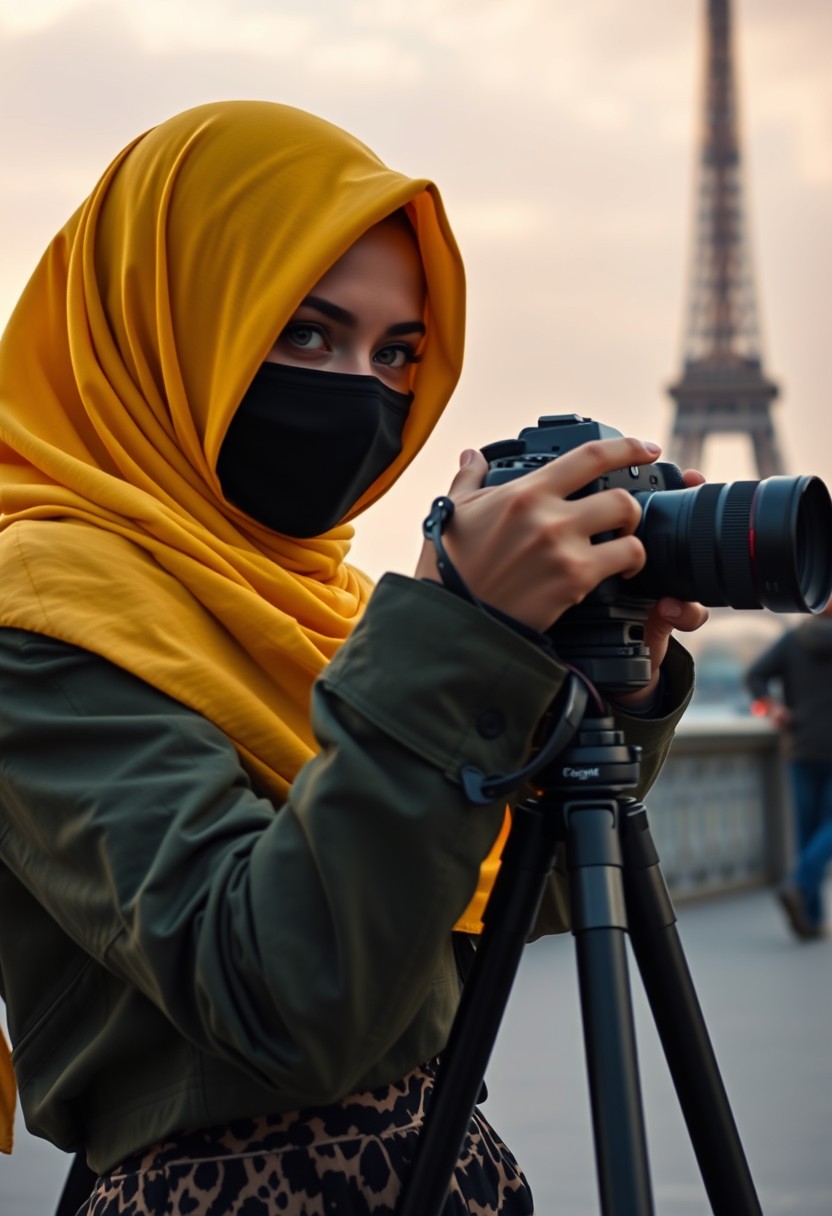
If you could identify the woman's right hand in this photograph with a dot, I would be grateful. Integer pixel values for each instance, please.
(525, 547)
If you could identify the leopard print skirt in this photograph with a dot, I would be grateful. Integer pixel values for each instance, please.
(342, 1160)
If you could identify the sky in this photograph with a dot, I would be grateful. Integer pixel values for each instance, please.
(563, 139)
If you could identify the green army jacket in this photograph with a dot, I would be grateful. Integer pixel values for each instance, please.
(177, 952)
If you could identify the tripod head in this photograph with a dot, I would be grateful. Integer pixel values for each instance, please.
(605, 644)
(598, 760)
(607, 650)
(584, 749)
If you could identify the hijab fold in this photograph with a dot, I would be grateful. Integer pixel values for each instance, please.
(120, 370)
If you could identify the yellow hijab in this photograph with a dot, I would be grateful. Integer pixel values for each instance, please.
(120, 371)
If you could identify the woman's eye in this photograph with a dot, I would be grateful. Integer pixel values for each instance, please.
(395, 357)
(309, 337)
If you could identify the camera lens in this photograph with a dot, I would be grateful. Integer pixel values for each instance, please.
(792, 543)
(745, 544)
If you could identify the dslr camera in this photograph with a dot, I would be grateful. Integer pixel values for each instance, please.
(744, 544)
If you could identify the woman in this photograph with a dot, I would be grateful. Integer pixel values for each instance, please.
(237, 845)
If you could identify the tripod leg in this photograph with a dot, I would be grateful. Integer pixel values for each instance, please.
(681, 1026)
(527, 859)
(599, 925)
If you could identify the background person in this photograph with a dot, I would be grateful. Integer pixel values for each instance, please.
(792, 680)
(233, 840)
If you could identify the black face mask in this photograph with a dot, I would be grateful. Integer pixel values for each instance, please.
(304, 445)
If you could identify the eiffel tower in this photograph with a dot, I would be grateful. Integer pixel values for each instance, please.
(722, 388)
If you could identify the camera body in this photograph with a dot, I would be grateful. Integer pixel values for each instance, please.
(556, 434)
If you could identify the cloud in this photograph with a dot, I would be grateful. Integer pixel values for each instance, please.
(33, 15)
(786, 69)
(505, 220)
(561, 137)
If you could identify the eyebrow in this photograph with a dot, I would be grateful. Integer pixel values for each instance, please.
(345, 317)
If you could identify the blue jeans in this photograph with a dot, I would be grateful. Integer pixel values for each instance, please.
(812, 795)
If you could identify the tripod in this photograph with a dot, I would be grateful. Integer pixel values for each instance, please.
(616, 885)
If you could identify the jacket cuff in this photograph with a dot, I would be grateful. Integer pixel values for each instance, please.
(475, 689)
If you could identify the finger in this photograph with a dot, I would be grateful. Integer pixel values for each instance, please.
(575, 469)
(692, 477)
(624, 555)
(608, 511)
(472, 470)
(681, 614)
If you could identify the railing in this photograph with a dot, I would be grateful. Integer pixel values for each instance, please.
(719, 812)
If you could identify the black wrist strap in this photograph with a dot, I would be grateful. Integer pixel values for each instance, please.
(441, 513)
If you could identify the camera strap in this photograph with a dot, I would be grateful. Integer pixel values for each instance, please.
(482, 789)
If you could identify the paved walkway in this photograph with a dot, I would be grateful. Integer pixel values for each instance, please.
(767, 1001)
(768, 1004)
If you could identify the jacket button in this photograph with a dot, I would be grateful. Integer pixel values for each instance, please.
(490, 723)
